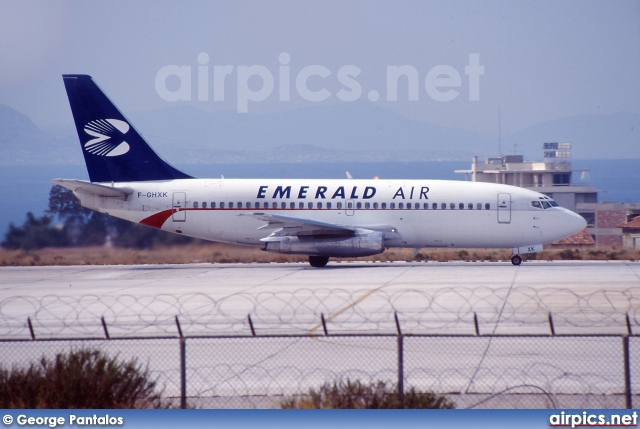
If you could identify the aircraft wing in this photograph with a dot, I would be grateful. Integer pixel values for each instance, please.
(292, 226)
(92, 188)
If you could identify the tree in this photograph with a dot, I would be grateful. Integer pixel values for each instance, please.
(35, 233)
(82, 378)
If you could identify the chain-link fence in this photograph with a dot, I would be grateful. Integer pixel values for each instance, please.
(480, 347)
(473, 371)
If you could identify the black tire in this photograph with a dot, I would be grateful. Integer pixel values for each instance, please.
(318, 261)
(516, 259)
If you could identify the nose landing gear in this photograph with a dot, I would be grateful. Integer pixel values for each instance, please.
(516, 259)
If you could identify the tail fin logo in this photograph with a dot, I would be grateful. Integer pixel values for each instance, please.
(107, 139)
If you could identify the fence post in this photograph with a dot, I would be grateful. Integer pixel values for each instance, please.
(183, 366)
(400, 362)
(627, 372)
(33, 334)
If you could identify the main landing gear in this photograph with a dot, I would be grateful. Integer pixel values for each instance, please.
(516, 259)
(318, 261)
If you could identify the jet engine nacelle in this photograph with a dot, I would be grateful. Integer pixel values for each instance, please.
(360, 245)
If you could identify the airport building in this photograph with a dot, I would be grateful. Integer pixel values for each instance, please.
(608, 224)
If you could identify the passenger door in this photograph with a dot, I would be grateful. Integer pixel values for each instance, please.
(179, 207)
(504, 208)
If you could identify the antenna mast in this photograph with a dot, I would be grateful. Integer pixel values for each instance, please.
(499, 134)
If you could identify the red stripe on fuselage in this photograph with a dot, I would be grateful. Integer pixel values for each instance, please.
(158, 219)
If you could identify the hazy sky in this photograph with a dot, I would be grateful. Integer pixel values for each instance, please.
(537, 60)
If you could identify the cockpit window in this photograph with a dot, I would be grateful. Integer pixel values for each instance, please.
(546, 204)
(536, 204)
(553, 203)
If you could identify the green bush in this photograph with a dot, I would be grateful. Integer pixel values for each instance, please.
(80, 379)
(357, 395)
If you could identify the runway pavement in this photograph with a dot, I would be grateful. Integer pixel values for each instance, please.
(436, 305)
(351, 296)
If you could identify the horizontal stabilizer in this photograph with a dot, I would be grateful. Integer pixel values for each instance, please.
(92, 188)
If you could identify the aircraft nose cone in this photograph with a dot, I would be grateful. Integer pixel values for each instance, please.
(574, 222)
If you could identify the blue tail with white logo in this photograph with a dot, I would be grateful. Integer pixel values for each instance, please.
(113, 150)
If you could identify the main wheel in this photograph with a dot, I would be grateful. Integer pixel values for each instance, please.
(318, 261)
(516, 259)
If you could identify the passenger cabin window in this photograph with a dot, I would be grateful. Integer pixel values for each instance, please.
(213, 205)
(339, 205)
(230, 205)
(470, 206)
(487, 206)
(408, 205)
(265, 205)
(248, 205)
(443, 206)
(239, 205)
(375, 205)
(310, 205)
(400, 206)
(452, 206)
(300, 205)
(204, 205)
(434, 206)
(349, 205)
(367, 205)
(479, 206)
(222, 205)
(274, 205)
(358, 205)
(384, 206)
(283, 205)
(319, 205)
(195, 204)
(461, 206)
(328, 205)
(292, 205)
(392, 205)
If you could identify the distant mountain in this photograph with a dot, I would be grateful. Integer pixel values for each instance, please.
(22, 142)
(591, 136)
(346, 132)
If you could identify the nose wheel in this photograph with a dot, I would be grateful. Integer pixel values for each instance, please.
(516, 259)
(318, 261)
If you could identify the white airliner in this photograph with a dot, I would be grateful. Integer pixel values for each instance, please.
(319, 218)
